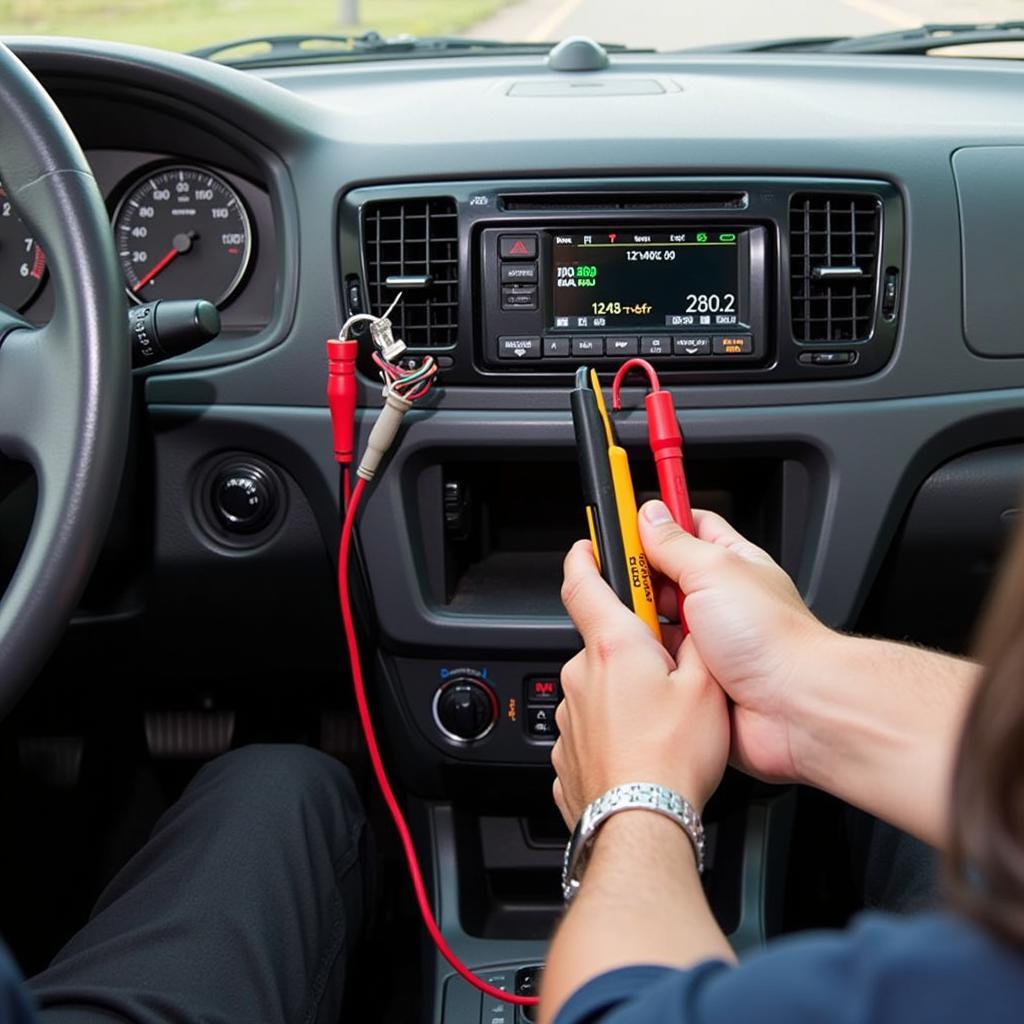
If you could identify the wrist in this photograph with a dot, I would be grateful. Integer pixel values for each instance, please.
(646, 829)
(825, 668)
(655, 799)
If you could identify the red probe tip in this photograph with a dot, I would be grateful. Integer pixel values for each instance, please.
(632, 364)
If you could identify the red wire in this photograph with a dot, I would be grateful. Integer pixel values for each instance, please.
(404, 835)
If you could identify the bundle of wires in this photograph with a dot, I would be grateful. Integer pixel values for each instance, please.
(408, 383)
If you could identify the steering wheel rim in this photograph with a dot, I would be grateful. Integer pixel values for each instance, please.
(65, 388)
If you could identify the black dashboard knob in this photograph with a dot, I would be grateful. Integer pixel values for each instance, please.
(244, 498)
(465, 710)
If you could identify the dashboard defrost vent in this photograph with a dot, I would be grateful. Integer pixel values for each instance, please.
(412, 246)
(833, 254)
(625, 201)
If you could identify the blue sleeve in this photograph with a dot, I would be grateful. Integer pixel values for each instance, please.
(14, 1004)
(603, 999)
(882, 970)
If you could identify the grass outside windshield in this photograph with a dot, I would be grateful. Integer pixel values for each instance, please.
(188, 24)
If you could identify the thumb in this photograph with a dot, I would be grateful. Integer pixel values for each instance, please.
(691, 563)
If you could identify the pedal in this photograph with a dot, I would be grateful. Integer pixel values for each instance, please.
(189, 735)
(53, 760)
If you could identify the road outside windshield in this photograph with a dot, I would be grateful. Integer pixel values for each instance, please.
(659, 24)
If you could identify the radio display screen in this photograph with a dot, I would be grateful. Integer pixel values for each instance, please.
(632, 280)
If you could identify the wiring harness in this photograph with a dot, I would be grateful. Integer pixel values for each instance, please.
(403, 385)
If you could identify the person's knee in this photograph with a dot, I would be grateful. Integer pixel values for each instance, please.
(276, 781)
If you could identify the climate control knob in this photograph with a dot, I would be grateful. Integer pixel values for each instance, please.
(465, 710)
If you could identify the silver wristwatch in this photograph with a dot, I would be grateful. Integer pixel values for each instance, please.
(648, 796)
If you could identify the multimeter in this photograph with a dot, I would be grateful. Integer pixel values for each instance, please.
(610, 501)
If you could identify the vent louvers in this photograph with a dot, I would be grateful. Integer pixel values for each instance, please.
(414, 238)
(833, 245)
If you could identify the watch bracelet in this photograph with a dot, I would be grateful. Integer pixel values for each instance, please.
(648, 796)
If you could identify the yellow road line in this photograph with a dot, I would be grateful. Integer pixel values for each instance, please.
(885, 12)
(545, 30)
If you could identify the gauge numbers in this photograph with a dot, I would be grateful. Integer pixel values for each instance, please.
(22, 263)
(182, 232)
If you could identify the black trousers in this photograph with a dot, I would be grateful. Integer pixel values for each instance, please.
(240, 908)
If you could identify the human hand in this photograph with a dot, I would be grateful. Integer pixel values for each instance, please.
(631, 712)
(750, 627)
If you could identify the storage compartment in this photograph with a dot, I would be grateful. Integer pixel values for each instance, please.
(509, 520)
(510, 867)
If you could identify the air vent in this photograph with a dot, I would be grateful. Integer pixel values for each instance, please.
(627, 201)
(833, 254)
(414, 244)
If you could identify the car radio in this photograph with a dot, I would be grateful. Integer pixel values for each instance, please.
(718, 280)
(683, 293)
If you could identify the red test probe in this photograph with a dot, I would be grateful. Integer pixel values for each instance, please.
(666, 443)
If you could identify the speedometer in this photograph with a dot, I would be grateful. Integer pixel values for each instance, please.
(22, 263)
(182, 233)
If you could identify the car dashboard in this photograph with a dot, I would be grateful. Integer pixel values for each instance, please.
(848, 369)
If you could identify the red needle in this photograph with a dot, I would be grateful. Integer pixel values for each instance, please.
(171, 253)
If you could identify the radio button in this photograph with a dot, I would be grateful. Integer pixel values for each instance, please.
(733, 345)
(517, 247)
(693, 345)
(556, 348)
(827, 358)
(588, 346)
(540, 722)
(519, 273)
(543, 690)
(519, 346)
(656, 345)
(517, 296)
(620, 346)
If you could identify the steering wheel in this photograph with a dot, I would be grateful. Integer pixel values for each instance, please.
(65, 388)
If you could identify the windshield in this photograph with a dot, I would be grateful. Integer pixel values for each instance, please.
(647, 24)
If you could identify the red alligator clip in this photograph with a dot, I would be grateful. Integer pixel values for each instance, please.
(666, 442)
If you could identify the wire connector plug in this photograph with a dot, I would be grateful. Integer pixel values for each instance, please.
(383, 337)
(382, 436)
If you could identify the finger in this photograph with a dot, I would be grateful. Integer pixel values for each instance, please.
(712, 528)
(562, 718)
(689, 562)
(590, 602)
(691, 666)
(559, 797)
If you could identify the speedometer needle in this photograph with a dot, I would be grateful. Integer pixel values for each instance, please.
(182, 243)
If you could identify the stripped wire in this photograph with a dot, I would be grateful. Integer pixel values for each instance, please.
(412, 383)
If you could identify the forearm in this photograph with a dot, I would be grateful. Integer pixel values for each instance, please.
(641, 902)
(878, 727)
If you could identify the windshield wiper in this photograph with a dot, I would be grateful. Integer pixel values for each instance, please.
(920, 40)
(297, 49)
(931, 37)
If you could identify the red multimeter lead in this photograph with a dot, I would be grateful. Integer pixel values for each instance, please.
(666, 443)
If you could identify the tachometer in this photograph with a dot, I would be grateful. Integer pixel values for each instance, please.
(22, 263)
(182, 233)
